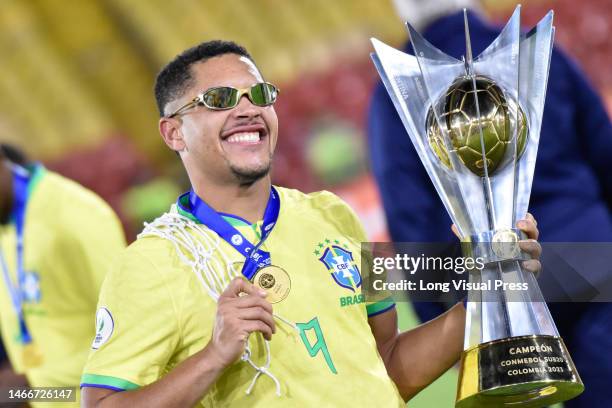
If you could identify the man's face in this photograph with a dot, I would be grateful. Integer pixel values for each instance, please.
(227, 145)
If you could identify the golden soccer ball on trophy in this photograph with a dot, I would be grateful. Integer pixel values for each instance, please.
(459, 114)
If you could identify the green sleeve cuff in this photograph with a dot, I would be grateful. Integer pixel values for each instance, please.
(105, 381)
(380, 307)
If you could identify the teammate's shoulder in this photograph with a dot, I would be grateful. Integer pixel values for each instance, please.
(59, 189)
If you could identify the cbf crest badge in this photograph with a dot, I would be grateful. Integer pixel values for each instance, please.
(340, 263)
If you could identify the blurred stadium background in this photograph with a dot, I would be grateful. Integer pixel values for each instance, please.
(76, 80)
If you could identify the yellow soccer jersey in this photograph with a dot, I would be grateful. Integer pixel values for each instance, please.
(154, 313)
(70, 236)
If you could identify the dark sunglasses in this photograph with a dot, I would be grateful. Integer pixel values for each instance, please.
(227, 97)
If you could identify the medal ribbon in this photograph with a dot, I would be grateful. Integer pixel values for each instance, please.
(20, 197)
(255, 258)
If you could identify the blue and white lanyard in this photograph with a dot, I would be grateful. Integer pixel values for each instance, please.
(20, 196)
(255, 258)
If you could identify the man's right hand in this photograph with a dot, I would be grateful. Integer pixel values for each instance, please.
(241, 310)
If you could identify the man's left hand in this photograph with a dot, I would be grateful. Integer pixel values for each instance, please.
(530, 245)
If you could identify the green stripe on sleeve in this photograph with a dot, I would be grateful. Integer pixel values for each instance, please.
(377, 307)
(108, 380)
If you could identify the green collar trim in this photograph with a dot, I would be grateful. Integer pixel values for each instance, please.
(185, 203)
(37, 172)
(233, 221)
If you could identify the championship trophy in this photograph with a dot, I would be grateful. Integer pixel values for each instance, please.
(475, 124)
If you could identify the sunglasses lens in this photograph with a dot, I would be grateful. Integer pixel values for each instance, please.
(263, 94)
(221, 98)
(225, 97)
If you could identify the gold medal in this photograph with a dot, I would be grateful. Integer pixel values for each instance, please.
(275, 281)
(31, 355)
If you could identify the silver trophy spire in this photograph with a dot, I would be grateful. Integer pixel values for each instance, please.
(475, 124)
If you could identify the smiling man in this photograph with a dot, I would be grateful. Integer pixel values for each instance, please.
(177, 327)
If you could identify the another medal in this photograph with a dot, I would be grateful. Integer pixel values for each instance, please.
(31, 355)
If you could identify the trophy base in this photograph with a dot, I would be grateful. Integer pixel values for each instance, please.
(526, 371)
